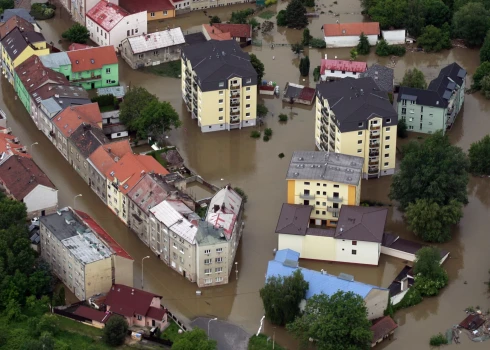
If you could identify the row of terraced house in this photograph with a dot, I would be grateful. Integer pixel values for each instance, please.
(137, 188)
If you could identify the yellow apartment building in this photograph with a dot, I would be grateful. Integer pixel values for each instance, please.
(354, 117)
(325, 181)
(18, 46)
(219, 85)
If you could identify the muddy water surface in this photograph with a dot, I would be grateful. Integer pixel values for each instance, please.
(254, 165)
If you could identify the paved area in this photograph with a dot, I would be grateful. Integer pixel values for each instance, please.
(228, 336)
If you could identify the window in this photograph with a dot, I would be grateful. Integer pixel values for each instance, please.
(421, 108)
(221, 84)
(219, 279)
(220, 110)
(108, 81)
(164, 13)
(324, 212)
(343, 72)
(387, 155)
(354, 242)
(354, 252)
(126, 35)
(207, 261)
(388, 121)
(359, 150)
(208, 281)
(139, 317)
(388, 129)
(221, 92)
(220, 101)
(248, 88)
(359, 141)
(318, 192)
(324, 193)
(207, 251)
(247, 114)
(404, 111)
(152, 14)
(387, 138)
(387, 147)
(359, 133)
(155, 53)
(249, 80)
(318, 212)
(140, 55)
(220, 118)
(218, 269)
(247, 97)
(219, 250)
(175, 245)
(387, 163)
(360, 124)
(107, 70)
(318, 184)
(336, 186)
(317, 203)
(207, 271)
(220, 259)
(410, 119)
(306, 183)
(410, 127)
(247, 106)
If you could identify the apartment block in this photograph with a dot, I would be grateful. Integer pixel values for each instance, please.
(82, 254)
(219, 85)
(355, 117)
(427, 111)
(325, 181)
(207, 4)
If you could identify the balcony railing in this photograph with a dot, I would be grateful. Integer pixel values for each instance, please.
(324, 129)
(374, 145)
(325, 113)
(332, 144)
(324, 146)
(333, 210)
(375, 127)
(306, 196)
(235, 94)
(235, 103)
(373, 153)
(93, 77)
(332, 135)
(324, 121)
(188, 79)
(235, 85)
(234, 121)
(373, 162)
(335, 199)
(237, 112)
(374, 136)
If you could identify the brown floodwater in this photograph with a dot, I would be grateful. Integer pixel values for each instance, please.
(233, 157)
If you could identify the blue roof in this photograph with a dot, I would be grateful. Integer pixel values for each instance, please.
(319, 282)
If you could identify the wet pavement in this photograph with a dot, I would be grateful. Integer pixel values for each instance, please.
(233, 157)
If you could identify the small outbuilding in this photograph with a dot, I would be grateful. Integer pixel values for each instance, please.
(394, 37)
(347, 34)
(382, 329)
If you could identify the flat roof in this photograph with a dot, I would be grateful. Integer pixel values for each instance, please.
(117, 91)
(319, 165)
(55, 60)
(157, 40)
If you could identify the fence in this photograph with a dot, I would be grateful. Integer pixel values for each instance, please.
(72, 316)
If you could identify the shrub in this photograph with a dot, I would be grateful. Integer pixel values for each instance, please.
(383, 49)
(317, 43)
(316, 73)
(283, 117)
(266, 138)
(255, 134)
(281, 155)
(105, 100)
(281, 18)
(242, 194)
(42, 11)
(268, 132)
(438, 340)
(412, 298)
(115, 331)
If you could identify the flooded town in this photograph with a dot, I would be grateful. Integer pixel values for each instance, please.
(233, 157)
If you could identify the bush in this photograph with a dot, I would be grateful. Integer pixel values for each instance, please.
(105, 100)
(268, 132)
(281, 155)
(242, 194)
(270, 2)
(316, 73)
(281, 18)
(266, 138)
(412, 298)
(255, 134)
(383, 49)
(317, 43)
(115, 331)
(283, 117)
(42, 11)
(438, 340)
(402, 129)
(76, 34)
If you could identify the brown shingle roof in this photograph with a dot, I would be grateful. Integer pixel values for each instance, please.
(92, 58)
(21, 175)
(33, 74)
(361, 223)
(129, 301)
(294, 219)
(74, 116)
(133, 6)
(92, 314)
(14, 22)
(87, 139)
(382, 328)
(156, 313)
(351, 29)
(105, 156)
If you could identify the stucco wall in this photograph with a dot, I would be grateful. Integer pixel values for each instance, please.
(366, 253)
(41, 198)
(294, 242)
(337, 74)
(319, 248)
(394, 37)
(348, 41)
(137, 26)
(123, 270)
(376, 303)
(98, 277)
(398, 254)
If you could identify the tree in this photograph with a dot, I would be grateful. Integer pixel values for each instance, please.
(363, 47)
(156, 118)
(281, 19)
(430, 277)
(46, 341)
(309, 3)
(6, 4)
(295, 15)
(436, 13)
(195, 339)
(215, 19)
(242, 194)
(281, 297)
(297, 48)
(304, 66)
(13, 310)
(253, 22)
(262, 110)
(306, 37)
(485, 86)
(258, 66)
(389, 13)
(471, 23)
(414, 78)
(353, 54)
(482, 71)
(479, 155)
(401, 130)
(485, 49)
(336, 322)
(115, 330)
(434, 39)
(240, 17)
(433, 170)
(77, 34)
(415, 19)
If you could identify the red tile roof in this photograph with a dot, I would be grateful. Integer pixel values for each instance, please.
(106, 14)
(33, 74)
(92, 58)
(103, 235)
(76, 46)
(351, 29)
(14, 22)
(129, 301)
(156, 313)
(20, 175)
(106, 155)
(383, 327)
(9, 146)
(215, 33)
(235, 30)
(133, 6)
(92, 314)
(343, 65)
(72, 117)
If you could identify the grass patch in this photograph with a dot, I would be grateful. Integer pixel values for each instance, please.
(171, 332)
(73, 326)
(169, 69)
(438, 340)
(267, 14)
(260, 343)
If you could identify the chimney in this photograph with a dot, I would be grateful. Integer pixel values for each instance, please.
(142, 172)
(216, 208)
(132, 291)
(87, 127)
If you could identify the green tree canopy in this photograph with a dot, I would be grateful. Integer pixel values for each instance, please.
(414, 78)
(336, 322)
(281, 19)
(304, 66)
(363, 46)
(295, 16)
(436, 13)
(258, 66)
(262, 110)
(389, 13)
(430, 277)
(401, 130)
(433, 170)
(240, 17)
(115, 330)
(281, 297)
(485, 49)
(480, 73)
(196, 339)
(479, 155)
(76, 34)
(471, 23)
(434, 39)
(296, 48)
(135, 100)
(156, 118)
(215, 19)
(306, 37)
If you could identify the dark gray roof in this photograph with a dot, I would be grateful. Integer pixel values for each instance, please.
(455, 72)
(328, 232)
(319, 165)
(14, 43)
(294, 219)
(22, 13)
(87, 138)
(62, 226)
(34, 37)
(422, 97)
(383, 76)
(217, 61)
(195, 38)
(358, 223)
(357, 100)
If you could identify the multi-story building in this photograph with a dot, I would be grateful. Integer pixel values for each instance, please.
(156, 10)
(7, 25)
(20, 14)
(100, 161)
(354, 117)
(219, 85)
(207, 4)
(326, 181)
(383, 76)
(82, 254)
(427, 111)
(78, 8)
(109, 24)
(181, 6)
(331, 70)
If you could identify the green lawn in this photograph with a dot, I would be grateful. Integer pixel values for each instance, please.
(267, 14)
(172, 332)
(169, 69)
(70, 325)
(260, 343)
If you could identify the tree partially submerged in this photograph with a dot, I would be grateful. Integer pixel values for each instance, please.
(471, 23)
(363, 47)
(195, 339)
(76, 34)
(258, 66)
(414, 78)
(430, 276)
(295, 16)
(479, 155)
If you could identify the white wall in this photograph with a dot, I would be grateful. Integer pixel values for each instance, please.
(398, 254)
(294, 242)
(366, 252)
(337, 74)
(348, 41)
(397, 298)
(376, 302)
(134, 23)
(40, 198)
(394, 36)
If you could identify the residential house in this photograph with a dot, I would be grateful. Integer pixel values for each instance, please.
(29, 77)
(66, 122)
(100, 161)
(181, 6)
(123, 175)
(326, 181)
(97, 318)
(9, 145)
(285, 263)
(21, 179)
(140, 308)
(357, 238)
(109, 24)
(21, 14)
(219, 85)
(153, 48)
(382, 76)
(241, 33)
(68, 238)
(15, 22)
(347, 34)
(82, 143)
(440, 103)
(18, 46)
(394, 37)
(150, 190)
(354, 117)
(156, 10)
(79, 8)
(331, 70)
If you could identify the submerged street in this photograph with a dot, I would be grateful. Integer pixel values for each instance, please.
(254, 165)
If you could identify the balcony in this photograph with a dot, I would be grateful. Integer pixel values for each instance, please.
(235, 103)
(332, 135)
(235, 94)
(234, 121)
(373, 153)
(194, 86)
(332, 144)
(373, 170)
(324, 146)
(235, 112)
(188, 88)
(375, 126)
(324, 129)
(335, 199)
(333, 210)
(306, 196)
(188, 79)
(234, 86)
(325, 113)
(91, 78)
(374, 136)
(324, 121)
(374, 145)
(194, 96)
(374, 161)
